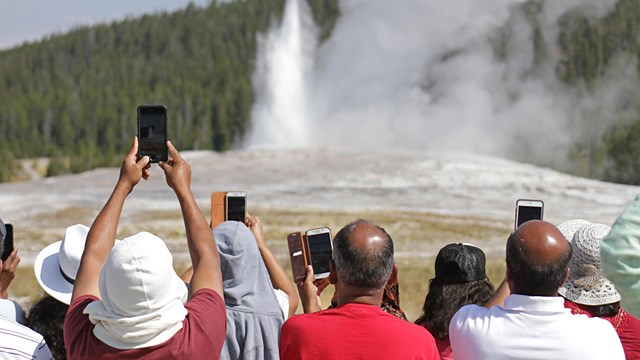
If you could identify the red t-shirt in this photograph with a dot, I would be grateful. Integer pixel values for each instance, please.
(202, 334)
(354, 331)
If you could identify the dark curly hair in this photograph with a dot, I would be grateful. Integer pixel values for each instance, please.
(443, 300)
(47, 318)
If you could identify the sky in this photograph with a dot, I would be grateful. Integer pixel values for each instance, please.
(30, 20)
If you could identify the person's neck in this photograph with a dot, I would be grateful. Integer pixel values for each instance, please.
(346, 295)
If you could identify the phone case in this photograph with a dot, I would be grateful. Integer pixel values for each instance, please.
(299, 256)
(217, 207)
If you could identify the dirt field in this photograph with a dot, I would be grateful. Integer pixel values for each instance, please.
(423, 200)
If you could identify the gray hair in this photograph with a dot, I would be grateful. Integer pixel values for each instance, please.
(367, 269)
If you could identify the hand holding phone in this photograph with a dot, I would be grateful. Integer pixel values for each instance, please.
(528, 210)
(152, 132)
(320, 251)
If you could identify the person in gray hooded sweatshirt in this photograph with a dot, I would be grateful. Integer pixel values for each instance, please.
(255, 291)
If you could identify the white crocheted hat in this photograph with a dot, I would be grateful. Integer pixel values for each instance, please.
(569, 227)
(586, 284)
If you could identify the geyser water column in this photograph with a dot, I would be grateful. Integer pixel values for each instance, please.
(285, 58)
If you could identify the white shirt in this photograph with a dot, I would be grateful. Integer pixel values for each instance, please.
(531, 327)
(283, 302)
(20, 342)
(12, 311)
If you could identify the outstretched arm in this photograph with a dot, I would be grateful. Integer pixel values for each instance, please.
(204, 255)
(278, 276)
(102, 234)
(498, 297)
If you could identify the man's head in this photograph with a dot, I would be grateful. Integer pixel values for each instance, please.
(363, 257)
(538, 257)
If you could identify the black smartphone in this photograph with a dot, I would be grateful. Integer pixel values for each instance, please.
(235, 206)
(8, 242)
(528, 210)
(152, 132)
(320, 250)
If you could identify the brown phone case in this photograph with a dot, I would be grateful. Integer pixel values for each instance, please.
(217, 207)
(299, 256)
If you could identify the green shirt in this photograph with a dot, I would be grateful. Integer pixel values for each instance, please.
(620, 253)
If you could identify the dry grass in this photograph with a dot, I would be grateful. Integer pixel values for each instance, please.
(417, 238)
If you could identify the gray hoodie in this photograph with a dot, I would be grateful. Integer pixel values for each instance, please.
(254, 317)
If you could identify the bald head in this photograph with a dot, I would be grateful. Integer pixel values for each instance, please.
(537, 259)
(363, 256)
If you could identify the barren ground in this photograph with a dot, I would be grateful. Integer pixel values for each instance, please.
(424, 200)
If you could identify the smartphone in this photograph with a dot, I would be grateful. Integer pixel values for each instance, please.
(297, 256)
(528, 210)
(235, 206)
(152, 132)
(320, 250)
(8, 242)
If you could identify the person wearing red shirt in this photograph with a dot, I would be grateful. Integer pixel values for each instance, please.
(357, 328)
(127, 301)
(588, 292)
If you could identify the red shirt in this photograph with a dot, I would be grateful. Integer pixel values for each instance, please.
(202, 334)
(627, 326)
(354, 331)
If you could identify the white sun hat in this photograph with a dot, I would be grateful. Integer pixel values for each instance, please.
(586, 284)
(569, 227)
(56, 266)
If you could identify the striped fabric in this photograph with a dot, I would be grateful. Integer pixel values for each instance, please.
(19, 342)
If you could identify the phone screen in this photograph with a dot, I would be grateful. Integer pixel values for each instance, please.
(320, 251)
(236, 207)
(526, 213)
(152, 132)
(8, 242)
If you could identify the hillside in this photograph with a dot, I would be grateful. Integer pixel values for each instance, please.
(73, 97)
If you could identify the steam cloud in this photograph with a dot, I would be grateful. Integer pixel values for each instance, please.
(418, 74)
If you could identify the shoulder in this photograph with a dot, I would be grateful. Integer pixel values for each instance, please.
(471, 311)
(205, 297)
(206, 310)
(19, 337)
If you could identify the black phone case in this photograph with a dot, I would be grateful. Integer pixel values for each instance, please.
(8, 243)
(155, 150)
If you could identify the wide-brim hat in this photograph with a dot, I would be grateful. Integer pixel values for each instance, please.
(460, 263)
(569, 227)
(56, 266)
(586, 284)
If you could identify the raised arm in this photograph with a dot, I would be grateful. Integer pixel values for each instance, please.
(102, 234)
(498, 297)
(204, 255)
(278, 276)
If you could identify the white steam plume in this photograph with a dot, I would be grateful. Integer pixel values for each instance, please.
(285, 57)
(418, 74)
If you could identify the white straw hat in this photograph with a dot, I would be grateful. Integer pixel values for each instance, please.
(56, 266)
(569, 228)
(586, 284)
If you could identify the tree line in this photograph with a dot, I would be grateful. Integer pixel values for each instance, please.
(73, 97)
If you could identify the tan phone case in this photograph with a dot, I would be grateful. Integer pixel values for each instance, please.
(217, 207)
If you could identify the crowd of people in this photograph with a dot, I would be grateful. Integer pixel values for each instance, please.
(569, 292)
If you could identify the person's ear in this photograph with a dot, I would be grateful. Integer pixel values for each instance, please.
(333, 278)
(566, 275)
(394, 275)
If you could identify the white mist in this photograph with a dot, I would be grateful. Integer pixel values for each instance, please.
(285, 58)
